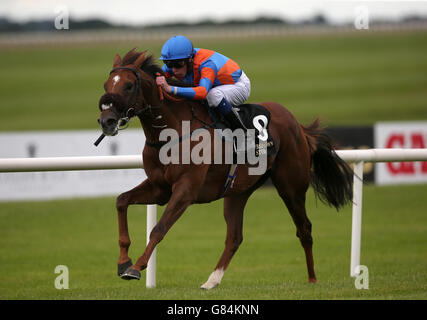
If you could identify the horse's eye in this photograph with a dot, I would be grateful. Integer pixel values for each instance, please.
(128, 86)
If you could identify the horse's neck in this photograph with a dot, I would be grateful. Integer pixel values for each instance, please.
(159, 118)
(155, 118)
(153, 122)
(170, 116)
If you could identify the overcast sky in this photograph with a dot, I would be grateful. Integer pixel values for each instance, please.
(142, 12)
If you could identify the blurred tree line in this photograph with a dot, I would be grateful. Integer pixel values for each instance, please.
(7, 25)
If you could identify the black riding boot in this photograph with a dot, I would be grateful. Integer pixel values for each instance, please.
(231, 115)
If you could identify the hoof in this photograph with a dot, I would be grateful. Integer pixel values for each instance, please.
(131, 274)
(312, 280)
(208, 286)
(214, 279)
(121, 268)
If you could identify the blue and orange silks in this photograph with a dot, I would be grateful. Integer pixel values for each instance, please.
(210, 69)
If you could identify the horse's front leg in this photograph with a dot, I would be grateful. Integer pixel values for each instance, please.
(183, 193)
(145, 193)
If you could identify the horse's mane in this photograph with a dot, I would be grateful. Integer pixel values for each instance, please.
(150, 66)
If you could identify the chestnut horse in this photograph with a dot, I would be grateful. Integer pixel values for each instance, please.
(304, 156)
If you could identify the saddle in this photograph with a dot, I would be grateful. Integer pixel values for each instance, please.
(256, 119)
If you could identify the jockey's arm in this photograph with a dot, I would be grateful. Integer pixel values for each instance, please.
(207, 75)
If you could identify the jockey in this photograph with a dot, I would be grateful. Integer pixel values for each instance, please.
(214, 77)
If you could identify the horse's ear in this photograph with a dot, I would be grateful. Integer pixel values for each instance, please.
(117, 60)
(138, 62)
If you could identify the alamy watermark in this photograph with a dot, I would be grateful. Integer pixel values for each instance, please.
(361, 18)
(209, 150)
(61, 281)
(62, 18)
(362, 278)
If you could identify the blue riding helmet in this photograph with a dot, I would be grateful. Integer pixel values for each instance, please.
(177, 47)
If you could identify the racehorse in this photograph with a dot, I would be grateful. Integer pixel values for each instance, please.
(304, 155)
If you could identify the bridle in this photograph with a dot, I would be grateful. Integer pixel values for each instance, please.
(131, 111)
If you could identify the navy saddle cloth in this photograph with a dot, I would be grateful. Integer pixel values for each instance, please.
(255, 117)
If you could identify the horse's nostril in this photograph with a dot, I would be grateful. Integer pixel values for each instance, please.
(111, 122)
(99, 121)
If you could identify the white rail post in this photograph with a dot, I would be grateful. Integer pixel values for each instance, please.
(150, 281)
(356, 232)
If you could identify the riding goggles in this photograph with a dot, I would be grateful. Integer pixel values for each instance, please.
(177, 64)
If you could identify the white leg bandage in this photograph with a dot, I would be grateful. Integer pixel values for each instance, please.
(214, 279)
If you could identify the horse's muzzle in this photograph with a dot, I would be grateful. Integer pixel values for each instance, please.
(109, 124)
(109, 119)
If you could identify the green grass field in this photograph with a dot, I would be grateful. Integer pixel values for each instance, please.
(347, 79)
(270, 264)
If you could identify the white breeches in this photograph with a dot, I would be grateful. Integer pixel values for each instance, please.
(236, 93)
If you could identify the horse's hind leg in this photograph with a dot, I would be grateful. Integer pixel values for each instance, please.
(292, 186)
(233, 214)
(296, 207)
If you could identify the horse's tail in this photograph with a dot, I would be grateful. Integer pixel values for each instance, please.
(331, 177)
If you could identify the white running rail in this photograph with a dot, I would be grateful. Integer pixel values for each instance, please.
(359, 157)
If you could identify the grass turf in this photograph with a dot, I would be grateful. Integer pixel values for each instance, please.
(270, 264)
